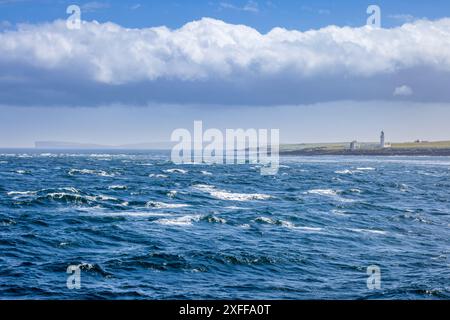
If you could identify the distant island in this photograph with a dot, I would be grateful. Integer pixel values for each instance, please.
(62, 145)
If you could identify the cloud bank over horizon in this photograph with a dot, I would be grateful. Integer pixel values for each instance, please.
(215, 63)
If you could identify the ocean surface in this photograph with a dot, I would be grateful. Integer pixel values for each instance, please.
(140, 227)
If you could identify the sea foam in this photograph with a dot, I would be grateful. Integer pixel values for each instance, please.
(225, 195)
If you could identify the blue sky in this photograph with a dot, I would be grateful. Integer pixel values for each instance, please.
(262, 15)
(255, 64)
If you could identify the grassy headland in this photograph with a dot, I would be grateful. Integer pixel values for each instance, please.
(422, 148)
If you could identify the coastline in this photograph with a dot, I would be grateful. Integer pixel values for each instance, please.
(379, 152)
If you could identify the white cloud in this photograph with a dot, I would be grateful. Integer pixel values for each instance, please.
(250, 6)
(403, 91)
(208, 51)
(4, 24)
(402, 17)
(94, 6)
(135, 7)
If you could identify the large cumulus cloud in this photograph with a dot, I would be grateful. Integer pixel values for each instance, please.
(212, 62)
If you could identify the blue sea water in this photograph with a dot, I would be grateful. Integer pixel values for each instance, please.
(141, 227)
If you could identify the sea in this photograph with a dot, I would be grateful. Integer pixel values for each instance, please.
(133, 225)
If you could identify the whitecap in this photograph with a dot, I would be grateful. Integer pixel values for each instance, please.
(380, 232)
(180, 221)
(358, 170)
(287, 224)
(70, 189)
(160, 176)
(323, 192)
(21, 193)
(265, 220)
(214, 219)
(105, 198)
(344, 171)
(309, 229)
(329, 193)
(172, 193)
(62, 195)
(225, 195)
(181, 171)
(339, 212)
(97, 155)
(101, 173)
(162, 205)
(206, 173)
(117, 187)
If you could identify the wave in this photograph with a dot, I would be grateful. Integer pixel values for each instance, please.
(23, 172)
(235, 208)
(225, 195)
(242, 258)
(117, 187)
(172, 193)
(213, 219)
(160, 176)
(65, 195)
(162, 205)
(180, 221)
(334, 194)
(347, 171)
(379, 232)
(286, 224)
(21, 194)
(309, 229)
(101, 173)
(93, 267)
(323, 192)
(70, 197)
(7, 222)
(131, 214)
(357, 170)
(206, 173)
(180, 171)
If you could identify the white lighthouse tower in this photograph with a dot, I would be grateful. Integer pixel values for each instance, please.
(382, 141)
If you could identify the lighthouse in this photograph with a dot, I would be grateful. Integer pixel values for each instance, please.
(382, 141)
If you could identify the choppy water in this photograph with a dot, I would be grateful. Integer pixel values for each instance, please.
(143, 228)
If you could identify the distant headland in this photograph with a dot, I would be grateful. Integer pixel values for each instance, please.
(382, 148)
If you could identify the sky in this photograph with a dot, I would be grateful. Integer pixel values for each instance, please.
(137, 70)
